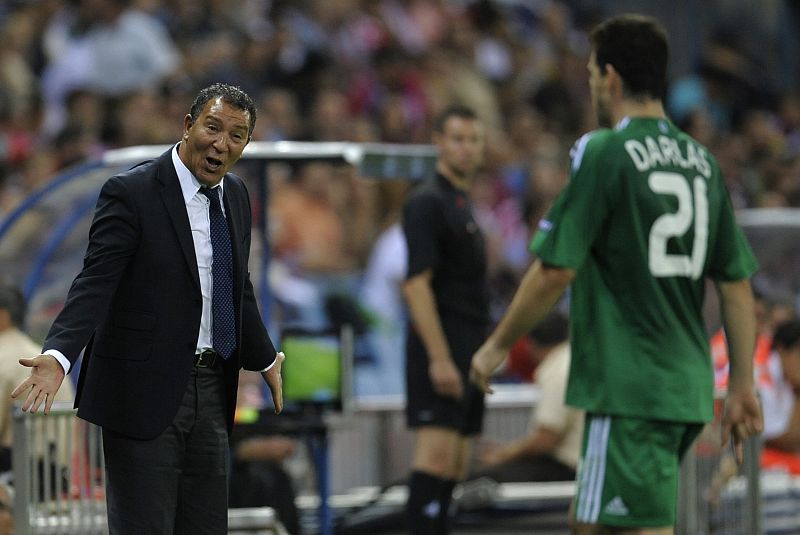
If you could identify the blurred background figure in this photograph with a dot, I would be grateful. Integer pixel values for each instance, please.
(6, 510)
(381, 297)
(14, 343)
(110, 47)
(779, 397)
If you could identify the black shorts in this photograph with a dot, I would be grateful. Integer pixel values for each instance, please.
(424, 407)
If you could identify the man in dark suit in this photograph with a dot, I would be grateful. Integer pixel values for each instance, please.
(167, 314)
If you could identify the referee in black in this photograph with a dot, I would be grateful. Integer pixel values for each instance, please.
(447, 294)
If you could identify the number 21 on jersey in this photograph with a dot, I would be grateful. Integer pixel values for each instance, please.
(692, 211)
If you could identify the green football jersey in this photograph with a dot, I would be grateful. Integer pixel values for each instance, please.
(644, 219)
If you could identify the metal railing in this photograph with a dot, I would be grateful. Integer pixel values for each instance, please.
(715, 495)
(59, 479)
(59, 474)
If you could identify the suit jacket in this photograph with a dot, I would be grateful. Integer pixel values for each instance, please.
(136, 304)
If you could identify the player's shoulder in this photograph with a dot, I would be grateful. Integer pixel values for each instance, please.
(590, 145)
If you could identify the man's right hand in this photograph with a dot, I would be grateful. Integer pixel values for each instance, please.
(741, 419)
(445, 378)
(42, 384)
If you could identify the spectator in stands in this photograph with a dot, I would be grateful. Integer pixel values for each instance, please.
(279, 117)
(779, 398)
(764, 328)
(550, 450)
(107, 46)
(16, 75)
(13, 343)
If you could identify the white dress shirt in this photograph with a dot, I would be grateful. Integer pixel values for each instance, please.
(197, 206)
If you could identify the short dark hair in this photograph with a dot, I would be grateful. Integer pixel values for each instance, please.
(636, 45)
(231, 94)
(12, 300)
(454, 110)
(787, 334)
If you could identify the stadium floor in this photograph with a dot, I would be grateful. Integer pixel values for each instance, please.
(489, 522)
(484, 508)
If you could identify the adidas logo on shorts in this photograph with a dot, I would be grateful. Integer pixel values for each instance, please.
(616, 507)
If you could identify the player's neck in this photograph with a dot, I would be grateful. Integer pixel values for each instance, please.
(651, 108)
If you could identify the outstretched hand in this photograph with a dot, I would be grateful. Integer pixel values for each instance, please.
(42, 384)
(275, 382)
(741, 419)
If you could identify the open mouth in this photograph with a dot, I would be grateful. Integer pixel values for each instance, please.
(213, 163)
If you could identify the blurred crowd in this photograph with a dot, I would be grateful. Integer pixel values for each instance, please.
(78, 77)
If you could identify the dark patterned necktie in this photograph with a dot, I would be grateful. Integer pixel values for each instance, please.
(223, 330)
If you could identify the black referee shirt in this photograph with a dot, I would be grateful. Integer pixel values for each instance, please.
(442, 235)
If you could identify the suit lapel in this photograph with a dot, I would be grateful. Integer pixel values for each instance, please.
(172, 197)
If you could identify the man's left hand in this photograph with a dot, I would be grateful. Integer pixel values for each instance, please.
(275, 382)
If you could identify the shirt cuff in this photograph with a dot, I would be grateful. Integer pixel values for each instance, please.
(270, 366)
(59, 356)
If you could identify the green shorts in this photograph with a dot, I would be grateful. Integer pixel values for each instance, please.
(628, 474)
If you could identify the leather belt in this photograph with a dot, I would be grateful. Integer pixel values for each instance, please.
(206, 359)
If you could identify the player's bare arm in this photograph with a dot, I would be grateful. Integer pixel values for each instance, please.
(540, 289)
(742, 417)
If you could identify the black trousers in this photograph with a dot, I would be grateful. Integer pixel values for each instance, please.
(175, 484)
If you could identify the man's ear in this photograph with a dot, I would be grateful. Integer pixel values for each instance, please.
(187, 124)
(615, 80)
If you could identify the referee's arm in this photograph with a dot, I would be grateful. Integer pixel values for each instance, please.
(425, 318)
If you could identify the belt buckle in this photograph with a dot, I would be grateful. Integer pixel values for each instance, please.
(206, 359)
